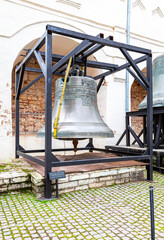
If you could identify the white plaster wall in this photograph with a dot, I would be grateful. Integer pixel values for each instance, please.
(22, 21)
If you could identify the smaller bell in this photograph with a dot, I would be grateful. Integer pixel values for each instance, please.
(158, 84)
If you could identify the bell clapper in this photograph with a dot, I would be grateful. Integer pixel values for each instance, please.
(75, 143)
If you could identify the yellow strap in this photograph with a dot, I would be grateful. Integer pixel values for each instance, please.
(61, 99)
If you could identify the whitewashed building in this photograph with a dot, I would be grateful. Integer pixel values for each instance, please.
(22, 22)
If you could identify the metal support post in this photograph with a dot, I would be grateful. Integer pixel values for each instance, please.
(48, 112)
(57, 191)
(145, 130)
(91, 144)
(127, 131)
(85, 67)
(149, 119)
(152, 213)
(16, 116)
(158, 161)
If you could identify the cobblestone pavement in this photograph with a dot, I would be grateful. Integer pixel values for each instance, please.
(115, 212)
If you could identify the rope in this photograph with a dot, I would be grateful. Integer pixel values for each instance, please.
(56, 123)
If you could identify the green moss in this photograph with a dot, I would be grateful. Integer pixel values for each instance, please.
(2, 168)
(27, 171)
(10, 164)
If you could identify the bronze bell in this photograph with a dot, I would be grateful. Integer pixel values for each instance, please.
(79, 118)
(158, 84)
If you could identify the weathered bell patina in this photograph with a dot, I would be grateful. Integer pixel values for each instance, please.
(80, 117)
(158, 84)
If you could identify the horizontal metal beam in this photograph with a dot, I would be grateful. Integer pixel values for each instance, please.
(126, 149)
(54, 150)
(29, 69)
(80, 61)
(119, 68)
(101, 160)
(140, 113)
(31, 158)
(116, 151)
(111, 43)
(99, 65)
(143, 112)
(37, 46)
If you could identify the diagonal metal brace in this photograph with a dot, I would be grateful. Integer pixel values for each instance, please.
(40, 61)
(100, 83)
(67, 57)
(18, 90)
(30, 54)
(136, 137)
(88, 45)
(137, 78)
(95, 48)
(134, 65)
(138, 60)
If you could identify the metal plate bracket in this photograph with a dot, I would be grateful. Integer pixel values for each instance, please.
(56, 175)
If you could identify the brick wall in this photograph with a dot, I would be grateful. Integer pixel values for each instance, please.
(137, 95)
(31, 101)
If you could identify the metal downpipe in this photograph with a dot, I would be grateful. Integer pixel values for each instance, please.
(128, 42)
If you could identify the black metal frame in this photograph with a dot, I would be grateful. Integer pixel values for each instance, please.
(158, 127)
(157, 137)
(88, 46)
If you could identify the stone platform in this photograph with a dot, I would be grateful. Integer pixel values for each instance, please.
(25, 174)
(89, 176)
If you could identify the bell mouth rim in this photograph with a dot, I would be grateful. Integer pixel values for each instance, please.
(83, 136)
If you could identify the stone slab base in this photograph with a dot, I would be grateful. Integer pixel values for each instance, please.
(90, 179)
(14, 181)
(19, 175)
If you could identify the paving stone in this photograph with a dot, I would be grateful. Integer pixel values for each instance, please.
(115, 212)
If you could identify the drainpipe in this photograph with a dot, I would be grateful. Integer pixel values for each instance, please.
(128, 42)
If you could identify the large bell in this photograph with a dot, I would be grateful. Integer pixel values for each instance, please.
(79, 118)
(158, 84)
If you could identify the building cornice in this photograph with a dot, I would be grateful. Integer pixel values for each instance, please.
(59, 13)
(101, 27)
